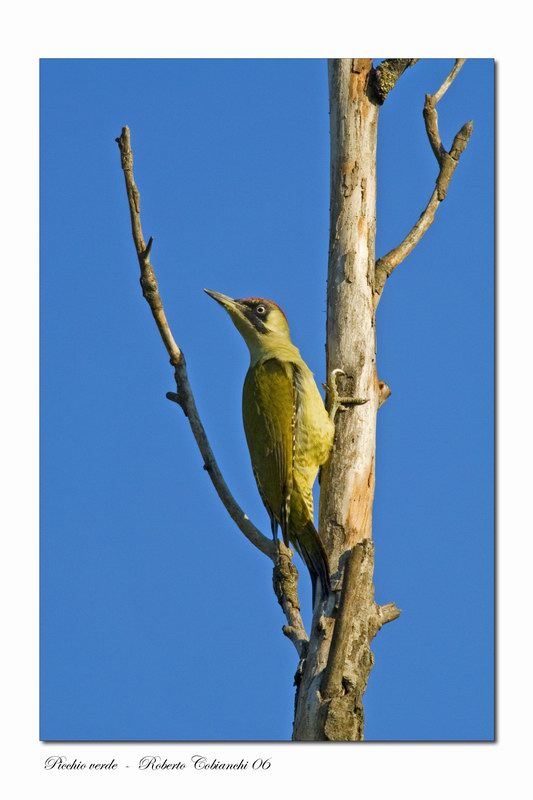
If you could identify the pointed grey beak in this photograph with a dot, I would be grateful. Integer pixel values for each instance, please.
(227, 302)
(220, 298)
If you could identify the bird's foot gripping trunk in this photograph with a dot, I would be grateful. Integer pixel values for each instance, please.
(335, 401)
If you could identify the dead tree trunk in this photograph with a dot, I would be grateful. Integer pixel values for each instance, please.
(329, 705)
(334, 675)
(335, 660)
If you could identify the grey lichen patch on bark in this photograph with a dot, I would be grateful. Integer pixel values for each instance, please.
(285, 581)
(385, 76)
(344, 719)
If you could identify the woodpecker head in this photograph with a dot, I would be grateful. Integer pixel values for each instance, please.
(261, 323)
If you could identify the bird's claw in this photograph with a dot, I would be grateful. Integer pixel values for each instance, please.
(338, 403)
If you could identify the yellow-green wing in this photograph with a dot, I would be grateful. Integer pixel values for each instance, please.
(268, 406)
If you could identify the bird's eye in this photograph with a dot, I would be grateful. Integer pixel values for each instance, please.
(260, 310)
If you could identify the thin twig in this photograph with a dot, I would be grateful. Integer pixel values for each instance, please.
(184, 396)
(430, 112)
(439, 94)
(448, 161)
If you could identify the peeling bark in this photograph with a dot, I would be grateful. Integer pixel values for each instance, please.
(329, 703)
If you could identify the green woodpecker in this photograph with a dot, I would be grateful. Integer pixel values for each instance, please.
(288, 430)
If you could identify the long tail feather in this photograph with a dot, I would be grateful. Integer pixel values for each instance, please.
(311, 549)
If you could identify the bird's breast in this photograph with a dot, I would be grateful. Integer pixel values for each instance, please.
(314, 430)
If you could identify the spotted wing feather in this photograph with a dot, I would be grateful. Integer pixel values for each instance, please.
(269, 410)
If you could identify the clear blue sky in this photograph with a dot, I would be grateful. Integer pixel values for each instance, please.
(158, 617)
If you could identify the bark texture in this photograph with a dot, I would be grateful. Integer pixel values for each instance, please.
(333, 677)
(385, 77)
(335, 673)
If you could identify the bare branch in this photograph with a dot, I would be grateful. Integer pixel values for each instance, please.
(387, 613)
(148, 279)
(439, 94)
(184, 396)
(447, 165)
(386, 75)
(285, 580)
(430, 112)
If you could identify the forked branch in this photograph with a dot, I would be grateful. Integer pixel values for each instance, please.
(288, 575)
(448, 161)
